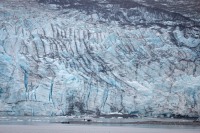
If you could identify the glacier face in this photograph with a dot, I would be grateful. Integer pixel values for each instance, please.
(97, 58)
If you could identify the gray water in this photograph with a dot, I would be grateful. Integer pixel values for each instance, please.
(115, 122)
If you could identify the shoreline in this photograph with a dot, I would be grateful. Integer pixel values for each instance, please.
(134, 123)
(63, 120)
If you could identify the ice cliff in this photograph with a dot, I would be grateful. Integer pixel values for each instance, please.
(98, 57)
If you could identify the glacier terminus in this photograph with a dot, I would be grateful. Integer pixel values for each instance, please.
(99, 57)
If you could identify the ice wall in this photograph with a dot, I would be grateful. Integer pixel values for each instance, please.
(103, 58)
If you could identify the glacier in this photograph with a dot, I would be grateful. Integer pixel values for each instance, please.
(98, 57)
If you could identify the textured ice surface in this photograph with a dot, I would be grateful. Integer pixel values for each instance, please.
(117, 57)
